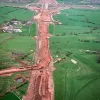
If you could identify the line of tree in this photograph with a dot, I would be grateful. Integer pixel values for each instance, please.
(96, 41)
(98, 58)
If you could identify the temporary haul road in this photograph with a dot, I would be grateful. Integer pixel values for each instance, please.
(41, 82)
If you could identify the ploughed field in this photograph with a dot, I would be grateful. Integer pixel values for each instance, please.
(75, 47)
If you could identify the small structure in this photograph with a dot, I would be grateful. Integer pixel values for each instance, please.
(12, 26)
(74, 61)
(17, 30)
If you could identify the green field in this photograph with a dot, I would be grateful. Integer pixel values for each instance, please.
(8, 13)
(76, 81)
(16, 3)
(82, 2)
(9, 96)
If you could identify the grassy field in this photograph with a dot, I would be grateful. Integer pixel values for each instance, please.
(16, 3)
(82, 2)
(29, 30)
(71, 1)
(8, 13)
(17, 43)
(78, 81)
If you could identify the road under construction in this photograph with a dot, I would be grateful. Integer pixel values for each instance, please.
(41, 85)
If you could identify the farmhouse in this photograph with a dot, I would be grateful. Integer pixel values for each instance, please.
(12, 26)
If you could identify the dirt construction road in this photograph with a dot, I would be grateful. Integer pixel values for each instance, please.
(41, 82)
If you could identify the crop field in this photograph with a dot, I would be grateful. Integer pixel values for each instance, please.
(75, 43)
(20, 45)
